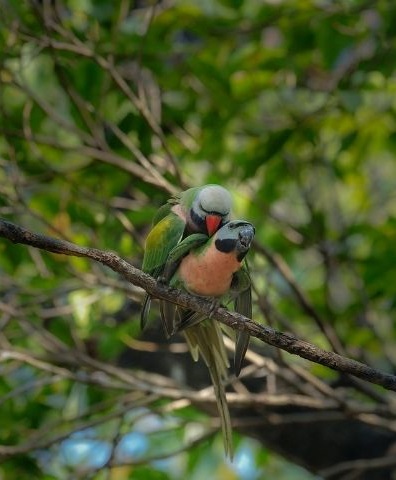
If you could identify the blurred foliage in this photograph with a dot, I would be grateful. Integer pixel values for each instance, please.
(107, 108)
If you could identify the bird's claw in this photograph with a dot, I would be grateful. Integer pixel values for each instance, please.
(215, 304)
(163, 280)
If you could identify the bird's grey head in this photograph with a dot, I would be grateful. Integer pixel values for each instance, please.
(237, 236)
(211, 209)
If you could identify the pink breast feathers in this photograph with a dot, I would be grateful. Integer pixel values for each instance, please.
(209, 274)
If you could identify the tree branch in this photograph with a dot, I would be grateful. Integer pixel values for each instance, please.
(359, 466)
(287, 342)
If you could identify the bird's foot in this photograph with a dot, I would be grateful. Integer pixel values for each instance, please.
(162, 280)
(215, 305)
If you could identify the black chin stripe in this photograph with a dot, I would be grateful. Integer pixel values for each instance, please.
(198, 222)
(226, 246)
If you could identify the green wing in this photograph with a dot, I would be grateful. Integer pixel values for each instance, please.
(162, 212)
(168, 230)
(169, 310)
(243, 305)
(162, 239)
(174, 258)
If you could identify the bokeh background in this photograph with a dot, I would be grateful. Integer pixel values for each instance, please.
(107, 109)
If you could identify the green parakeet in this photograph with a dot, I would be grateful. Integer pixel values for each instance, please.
(212, 267)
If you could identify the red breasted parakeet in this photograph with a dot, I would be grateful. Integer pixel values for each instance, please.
(212, 267)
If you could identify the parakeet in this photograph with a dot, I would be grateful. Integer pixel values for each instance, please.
(212, 267)
(201, 209)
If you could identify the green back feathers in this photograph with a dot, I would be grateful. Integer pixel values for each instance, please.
(186, 198)
(162, 212)
(162, 239)
(167, 232)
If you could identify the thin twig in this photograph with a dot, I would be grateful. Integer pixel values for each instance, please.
(282, 267)
(360, 465)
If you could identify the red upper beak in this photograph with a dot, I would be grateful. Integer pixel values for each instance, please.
(212, 224)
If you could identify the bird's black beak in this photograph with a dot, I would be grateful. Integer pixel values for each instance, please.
(245, 236)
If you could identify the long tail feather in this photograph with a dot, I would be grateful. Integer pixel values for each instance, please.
(189, 320)
(241, 346)
(145, 312)
(168, 312)
(206, 339)
(243, 305)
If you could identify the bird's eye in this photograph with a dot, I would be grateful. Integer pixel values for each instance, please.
(203, 208)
